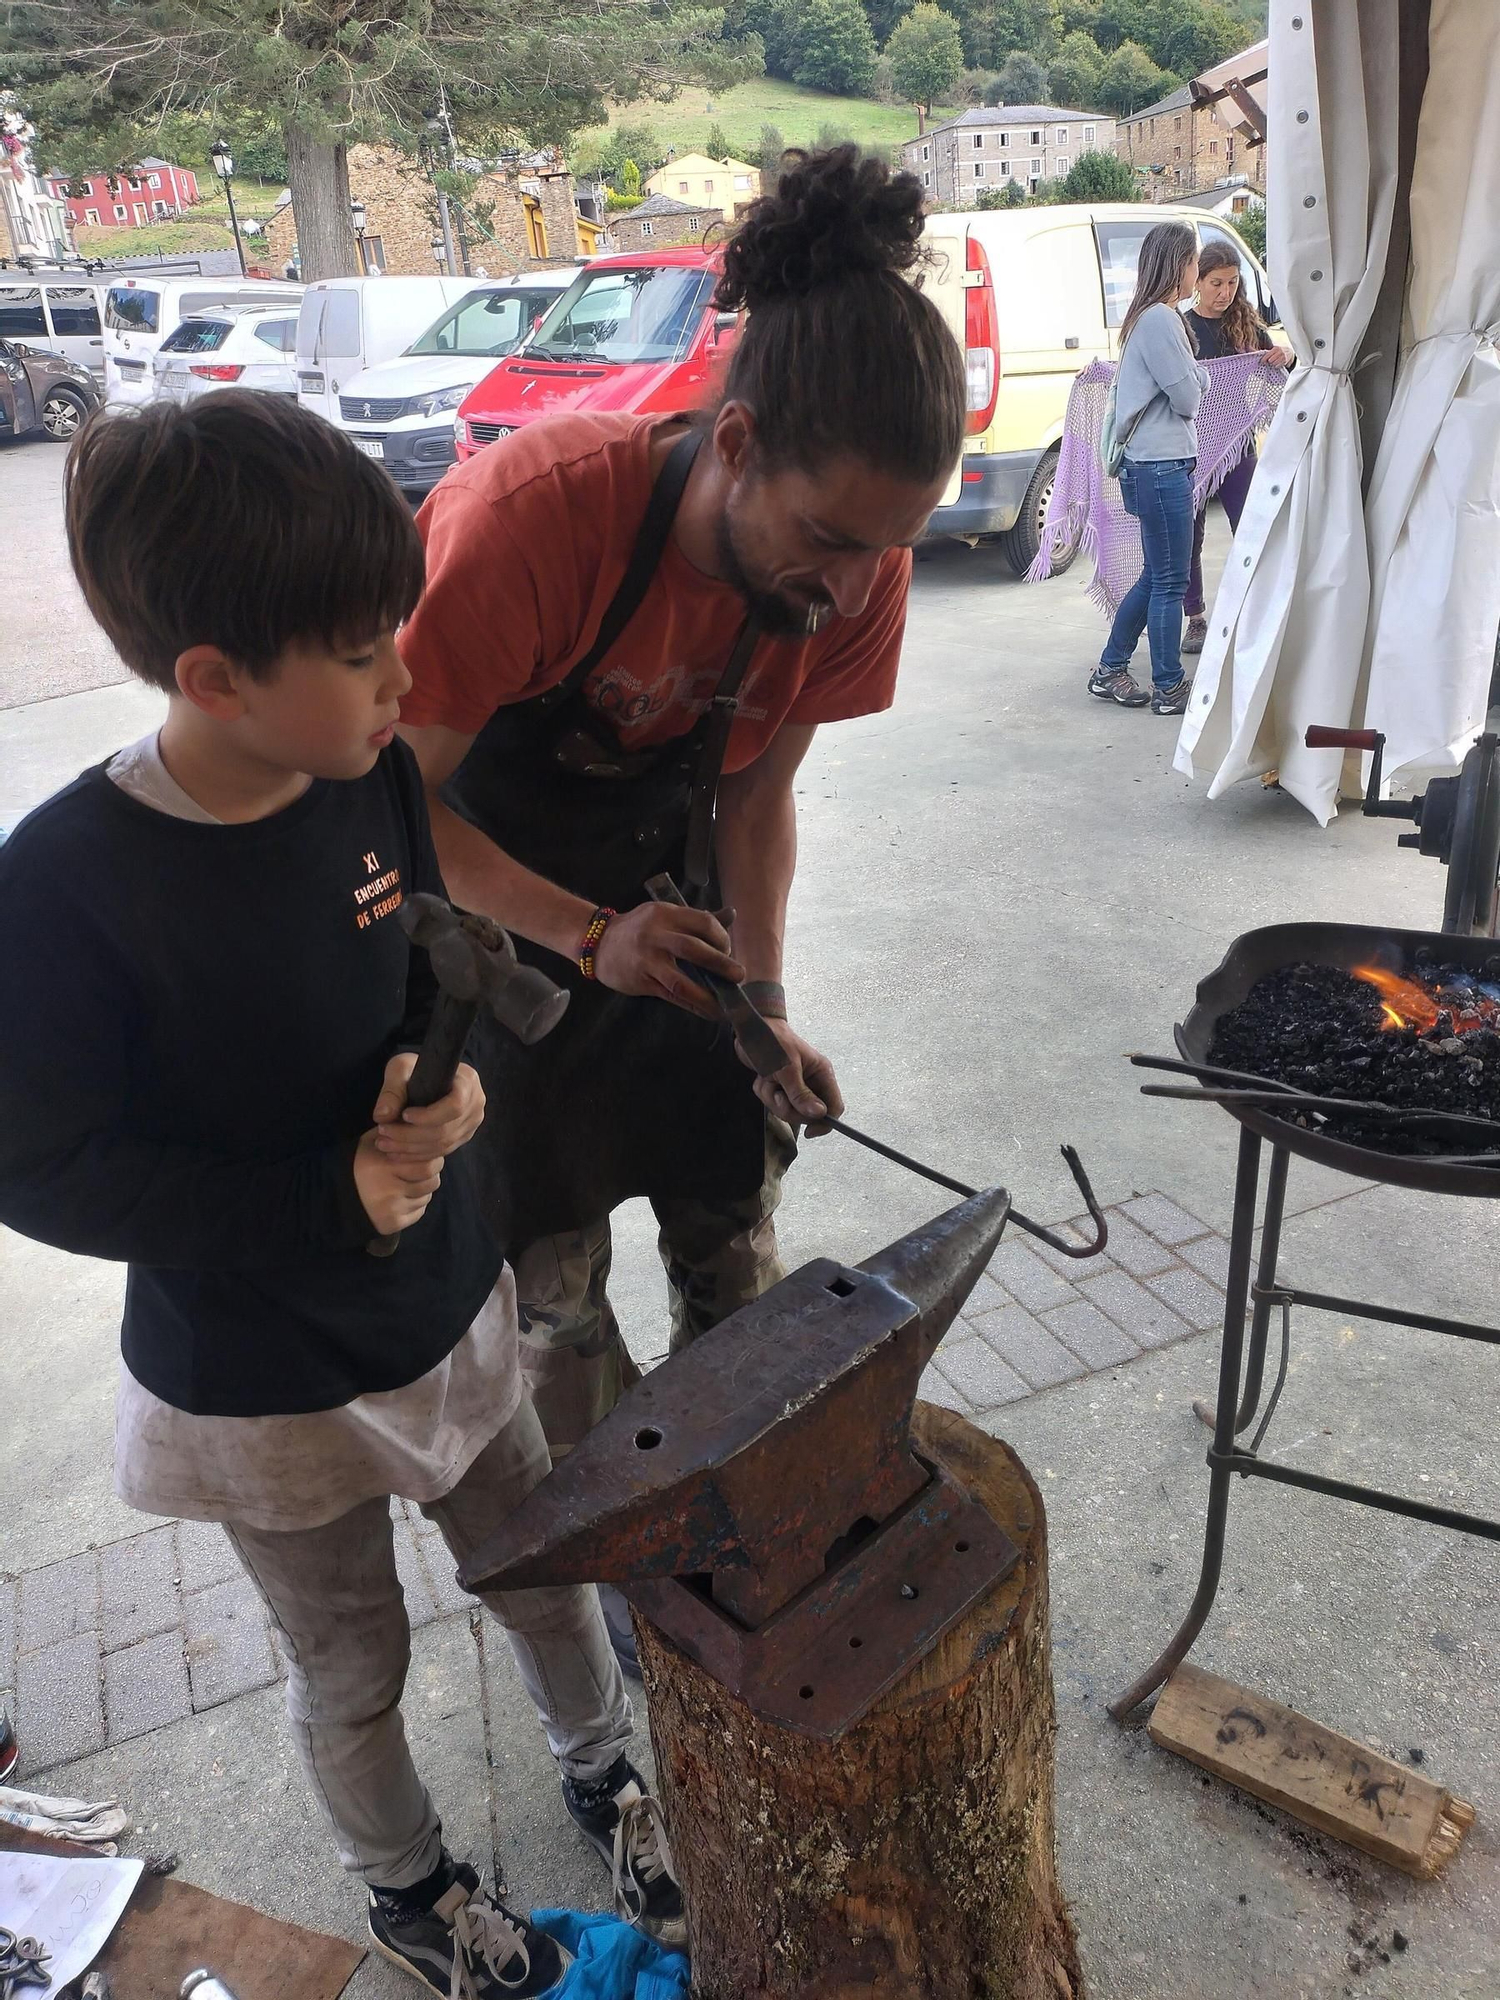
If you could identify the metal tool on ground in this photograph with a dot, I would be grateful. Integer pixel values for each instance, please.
(766, 1056)
(758, 1498)
(23, 1965)
(203, 1985)
(475, 965)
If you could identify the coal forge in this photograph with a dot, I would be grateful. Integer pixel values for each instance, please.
(1423, 1036)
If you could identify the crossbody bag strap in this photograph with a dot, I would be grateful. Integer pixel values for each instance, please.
(719, 717)
(650, 542)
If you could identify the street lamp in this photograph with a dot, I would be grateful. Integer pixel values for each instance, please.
(357, 217)
(223, 161)
(439, 252)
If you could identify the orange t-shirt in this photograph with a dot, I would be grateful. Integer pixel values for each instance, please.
(526, 546)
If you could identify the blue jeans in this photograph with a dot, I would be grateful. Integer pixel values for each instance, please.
(1159, 493)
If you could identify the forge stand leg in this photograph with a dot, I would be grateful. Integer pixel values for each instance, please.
(1265, 1284)
(1226, 1417)
(913, 1857)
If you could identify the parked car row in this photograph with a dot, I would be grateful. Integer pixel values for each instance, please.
(44, 393)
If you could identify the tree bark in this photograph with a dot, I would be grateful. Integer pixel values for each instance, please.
(318, 177)
(914, 1858)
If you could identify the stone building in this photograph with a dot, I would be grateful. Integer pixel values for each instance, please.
(533, 222)
(993, 147)
(1180, 147)
(660, 223)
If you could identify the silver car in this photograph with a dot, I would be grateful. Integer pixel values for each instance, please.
(250, 347)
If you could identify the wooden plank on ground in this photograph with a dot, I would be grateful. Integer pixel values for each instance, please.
(1326, 1780)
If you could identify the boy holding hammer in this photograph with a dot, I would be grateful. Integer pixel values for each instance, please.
(206, 1027)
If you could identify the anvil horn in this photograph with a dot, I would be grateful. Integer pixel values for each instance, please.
(761, 1444)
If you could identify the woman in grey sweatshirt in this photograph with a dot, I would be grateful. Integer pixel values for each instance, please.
(1157, 392)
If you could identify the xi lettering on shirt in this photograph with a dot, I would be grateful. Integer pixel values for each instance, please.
(378, 894)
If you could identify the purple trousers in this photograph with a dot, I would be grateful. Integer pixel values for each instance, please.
(1233, 491)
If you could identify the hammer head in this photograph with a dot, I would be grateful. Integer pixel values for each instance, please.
(474, 960)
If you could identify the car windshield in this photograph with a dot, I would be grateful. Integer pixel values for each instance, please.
(128, 309)
(483, 324)
(649, 314)
(196, 336)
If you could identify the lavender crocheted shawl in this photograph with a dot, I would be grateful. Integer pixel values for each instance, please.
(1086, 507)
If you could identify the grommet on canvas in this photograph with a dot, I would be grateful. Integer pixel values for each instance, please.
(1302, 416)
(1315, 275)
(1301, 117)
(1296, 20)
(1309, 201)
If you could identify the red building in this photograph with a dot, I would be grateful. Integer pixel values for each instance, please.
(125, 201)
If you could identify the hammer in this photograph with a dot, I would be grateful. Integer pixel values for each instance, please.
(475, 965)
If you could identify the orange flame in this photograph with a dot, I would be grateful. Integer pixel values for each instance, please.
(1404, 1003)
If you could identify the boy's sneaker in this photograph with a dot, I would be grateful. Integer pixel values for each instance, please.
(1173, 701)
(1195, 636)
(10, 1754)
(623, 1821)
(464, 1943)
(1114, 684)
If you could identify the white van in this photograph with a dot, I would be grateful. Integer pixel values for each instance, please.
(347, 324)
(1033, 295)
(141, 310)
(402, 411)
(60, 313)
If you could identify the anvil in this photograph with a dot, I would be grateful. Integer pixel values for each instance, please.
(758, 1496)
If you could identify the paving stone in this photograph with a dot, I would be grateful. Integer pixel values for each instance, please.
(1025, 1345)
(59, 1715)
(421, 1605)
(986, 1297)
(977, 1370)
(1148, 1322)
(1164, 1219)
(204, 1555)
(58, 1602)
(7, 1628)
(1198, 1302)
(1133, 1249)
(1027, 1279)
(146, 1686)
(1096, 1340)
(228, 1642)
(935, 1388)
(443, 1571)
(1210, 1255)
(137, 1588)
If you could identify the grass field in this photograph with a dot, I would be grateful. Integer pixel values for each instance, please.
(765, 100)
(205, 227)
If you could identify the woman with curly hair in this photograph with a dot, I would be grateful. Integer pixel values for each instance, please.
(1223, 321)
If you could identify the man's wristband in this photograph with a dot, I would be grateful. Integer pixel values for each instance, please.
(598, 924)
(767, 997)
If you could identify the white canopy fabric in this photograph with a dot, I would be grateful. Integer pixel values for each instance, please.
(1286, 636)
(1433, 509)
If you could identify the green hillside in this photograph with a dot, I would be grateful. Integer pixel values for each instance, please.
(765, 100)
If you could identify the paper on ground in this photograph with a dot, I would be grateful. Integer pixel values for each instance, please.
(70, 1905)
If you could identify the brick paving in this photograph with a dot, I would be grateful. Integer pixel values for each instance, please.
(146, 1631)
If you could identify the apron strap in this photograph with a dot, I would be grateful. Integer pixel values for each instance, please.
(650, 542)
(718, 721)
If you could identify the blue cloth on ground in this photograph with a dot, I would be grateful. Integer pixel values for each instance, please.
(611, 1961)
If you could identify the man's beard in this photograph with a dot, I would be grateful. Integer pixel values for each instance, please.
(781, 617)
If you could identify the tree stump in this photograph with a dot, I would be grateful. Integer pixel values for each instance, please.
(911, 1860)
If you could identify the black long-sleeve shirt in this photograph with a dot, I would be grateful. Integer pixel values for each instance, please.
(194, 1023)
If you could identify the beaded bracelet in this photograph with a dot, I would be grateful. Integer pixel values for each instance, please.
(598, 924)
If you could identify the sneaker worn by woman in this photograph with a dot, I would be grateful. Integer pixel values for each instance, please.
(1196, 633)
(619, 1817)
(1172, 701)
(461, 1941)
(1114, 684)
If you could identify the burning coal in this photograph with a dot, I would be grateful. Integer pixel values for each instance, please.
(1418, 1036)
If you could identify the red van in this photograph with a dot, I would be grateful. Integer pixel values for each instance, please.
(630, 333)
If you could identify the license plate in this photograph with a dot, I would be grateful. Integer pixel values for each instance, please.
(132, 367)
(371, 447)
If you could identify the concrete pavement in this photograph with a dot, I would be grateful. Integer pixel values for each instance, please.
(1003, 887)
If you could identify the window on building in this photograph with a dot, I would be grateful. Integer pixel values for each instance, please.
(1213, 145)
(1036, 138)
(682, 187)
(140, 212)
(1088, 135)
(1004, 169)
(647, 229)
(119, 213)
(374, 254)
(979, 170)
(1062, 163)
(927, 152)
(158, 208)
(927, 180)
(91, 216)
(742, 183)
(536, 228)
(1176, 124)
(1036, 166)
(21, 315)
(154, 180)
(135, 183)
(1004, 140)
(1060, 136)
(708, 187)
(978, 140)
(1177, 175)
(1177, 152)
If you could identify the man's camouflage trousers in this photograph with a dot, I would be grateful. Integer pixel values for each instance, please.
(718, 1256)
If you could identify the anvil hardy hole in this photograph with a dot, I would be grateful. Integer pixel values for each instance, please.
(856, 1642)
(840, 1287)
(648, 1438)
(961, 1548)
(806, 1693)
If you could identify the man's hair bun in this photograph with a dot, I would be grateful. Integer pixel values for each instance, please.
(833, 216)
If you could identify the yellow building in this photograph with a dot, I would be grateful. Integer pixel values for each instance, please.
(727, 185)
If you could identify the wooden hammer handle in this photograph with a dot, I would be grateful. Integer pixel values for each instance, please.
(432, 1078)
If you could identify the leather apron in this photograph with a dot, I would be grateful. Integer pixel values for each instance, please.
(627, 1096)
